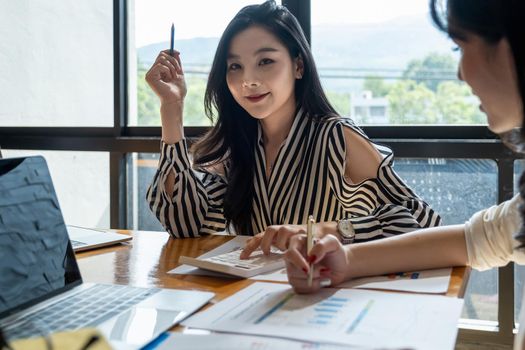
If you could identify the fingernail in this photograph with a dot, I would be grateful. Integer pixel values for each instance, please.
(312, 258)
(325, 269)
(305, 270)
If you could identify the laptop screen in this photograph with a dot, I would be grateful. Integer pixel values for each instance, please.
(36, 258)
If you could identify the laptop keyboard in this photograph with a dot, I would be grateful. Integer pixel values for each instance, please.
(85, 309)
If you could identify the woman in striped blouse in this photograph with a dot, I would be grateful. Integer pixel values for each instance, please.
(277, 153)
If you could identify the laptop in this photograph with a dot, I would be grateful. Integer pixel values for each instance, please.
(41, 289)
(86, 238)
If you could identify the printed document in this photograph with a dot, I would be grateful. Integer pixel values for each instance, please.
(337, 316)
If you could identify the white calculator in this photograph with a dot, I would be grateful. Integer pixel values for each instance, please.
(232, 264)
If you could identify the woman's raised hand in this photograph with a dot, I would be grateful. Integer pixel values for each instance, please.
(166, 78)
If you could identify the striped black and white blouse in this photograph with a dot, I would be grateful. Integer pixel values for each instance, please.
(307, 178)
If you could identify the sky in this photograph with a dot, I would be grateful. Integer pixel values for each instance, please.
(364, 11)
(208, 18)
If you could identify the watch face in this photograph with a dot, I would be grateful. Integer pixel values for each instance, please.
(345, 228)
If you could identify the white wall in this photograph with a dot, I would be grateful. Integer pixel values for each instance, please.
(56, 63)
(56, 69)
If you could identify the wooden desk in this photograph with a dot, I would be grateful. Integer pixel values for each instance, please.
(145, 261)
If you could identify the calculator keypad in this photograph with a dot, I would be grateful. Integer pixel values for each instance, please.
(256, 260)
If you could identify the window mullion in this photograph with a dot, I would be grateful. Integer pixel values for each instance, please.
(506, 273)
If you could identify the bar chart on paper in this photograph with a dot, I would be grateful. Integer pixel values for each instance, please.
(331, 313)
(346, 317)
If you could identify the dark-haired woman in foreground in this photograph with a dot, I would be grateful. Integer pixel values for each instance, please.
(277, 152)
(489, 34)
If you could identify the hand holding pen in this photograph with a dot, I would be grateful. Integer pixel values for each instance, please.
(325, 264)
(166, 79)
(166, 76)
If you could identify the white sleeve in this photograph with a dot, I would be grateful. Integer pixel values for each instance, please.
(490, 234)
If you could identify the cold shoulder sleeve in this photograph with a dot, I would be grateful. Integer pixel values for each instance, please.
(382, 206)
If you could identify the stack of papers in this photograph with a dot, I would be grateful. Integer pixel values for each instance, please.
(340, 317)
(271, 316)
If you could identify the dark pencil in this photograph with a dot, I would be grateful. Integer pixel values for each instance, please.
(172, 38)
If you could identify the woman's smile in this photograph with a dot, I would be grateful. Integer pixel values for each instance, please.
(257, 98)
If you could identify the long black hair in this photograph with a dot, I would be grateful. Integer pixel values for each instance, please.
(492, 20)
(232, 139)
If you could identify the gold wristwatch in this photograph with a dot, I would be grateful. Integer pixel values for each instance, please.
(346, 231)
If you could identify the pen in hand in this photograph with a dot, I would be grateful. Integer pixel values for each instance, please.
(172, 38)
(309, 246)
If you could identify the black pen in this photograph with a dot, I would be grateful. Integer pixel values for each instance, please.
(172, 38)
